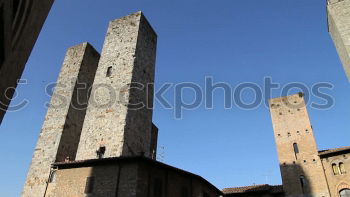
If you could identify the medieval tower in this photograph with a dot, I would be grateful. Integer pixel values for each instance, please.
(119, 115)
(112, 120)
(301, 168)
(338, 26)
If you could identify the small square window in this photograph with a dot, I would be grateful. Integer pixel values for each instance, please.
(109, 71)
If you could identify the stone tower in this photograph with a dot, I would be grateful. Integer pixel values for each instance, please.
(60, 133)
(339, 28)
(301, 168)
(119, 116)
(115, 117)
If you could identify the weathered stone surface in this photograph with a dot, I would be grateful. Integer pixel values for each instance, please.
(291, 125)
(128, 177)
(60, 132)
(20, 25)
(339, 28)
(128, 58)
(337, 182)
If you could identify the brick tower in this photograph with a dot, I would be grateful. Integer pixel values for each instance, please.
(60, 133)
(301, 168)
(339, 28)
(118, 122)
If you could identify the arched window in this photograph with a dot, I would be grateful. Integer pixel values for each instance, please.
(296, 150)
(335, 169)
(345, 193)
(342, 168)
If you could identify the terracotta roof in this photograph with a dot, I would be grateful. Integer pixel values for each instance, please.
(334, 151)
(254, 188)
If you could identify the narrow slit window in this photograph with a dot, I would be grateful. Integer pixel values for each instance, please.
(296, 150)
(100, 152)
(302, 181)
(109, 71)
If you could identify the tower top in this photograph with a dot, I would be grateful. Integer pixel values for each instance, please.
(333, 1)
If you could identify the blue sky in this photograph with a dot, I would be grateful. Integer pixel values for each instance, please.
(232, 41)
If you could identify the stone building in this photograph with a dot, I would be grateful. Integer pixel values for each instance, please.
(103, 142)
(305, 171)
(339, 28)
(255, 191)
(20, 25)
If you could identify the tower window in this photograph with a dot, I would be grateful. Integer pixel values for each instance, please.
(89, 186)
(296, 150)
(302, 181)
(100, 152)
(335, 168)
(342, 168)
(109, 71)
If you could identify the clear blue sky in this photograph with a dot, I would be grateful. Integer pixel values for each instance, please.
(233, 41)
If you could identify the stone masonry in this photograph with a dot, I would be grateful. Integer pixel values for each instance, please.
(339, 28)
(60, 133)
(301, 168)
(117, 119)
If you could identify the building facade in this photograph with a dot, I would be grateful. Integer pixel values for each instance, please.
(103, 142)
(123, 177)
(20, 24)
(305, 170)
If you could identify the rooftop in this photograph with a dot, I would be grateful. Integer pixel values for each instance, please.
(334, 151)
(254, 188)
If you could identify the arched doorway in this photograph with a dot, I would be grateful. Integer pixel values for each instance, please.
(345, 193)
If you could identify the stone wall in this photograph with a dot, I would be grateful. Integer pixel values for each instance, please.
(291, 125)
(20, 25)
(339, 28)
(116, 118)
(61, 129)
(134, 178)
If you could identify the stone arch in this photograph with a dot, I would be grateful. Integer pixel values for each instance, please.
(342, 186)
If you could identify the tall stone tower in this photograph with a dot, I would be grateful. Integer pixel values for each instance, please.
(115, 117)
(60, 133)
(339, 28)
(301, 168)
(119, 116)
